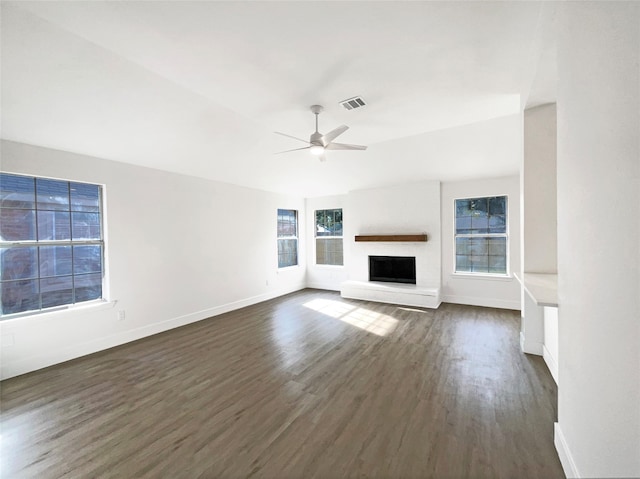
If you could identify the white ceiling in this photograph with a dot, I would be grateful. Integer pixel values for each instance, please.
(200, 87)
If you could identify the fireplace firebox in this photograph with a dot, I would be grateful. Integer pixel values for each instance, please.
(393, 269)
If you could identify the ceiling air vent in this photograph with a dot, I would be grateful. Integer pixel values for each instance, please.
(353, 103)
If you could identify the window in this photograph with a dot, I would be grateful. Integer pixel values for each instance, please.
(51, 244)
(287, 238)
(481, 235)
(329, 237)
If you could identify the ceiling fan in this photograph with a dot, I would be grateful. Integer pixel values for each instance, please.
(318, 142)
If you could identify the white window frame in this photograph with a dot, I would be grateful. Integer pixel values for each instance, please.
(289, 237)
(70, 242)
(507, 273)
(315, 233)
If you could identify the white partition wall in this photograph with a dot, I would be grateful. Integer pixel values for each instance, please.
(598, 429)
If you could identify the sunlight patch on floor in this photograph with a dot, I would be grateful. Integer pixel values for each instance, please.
(365, 319)
(335, 309)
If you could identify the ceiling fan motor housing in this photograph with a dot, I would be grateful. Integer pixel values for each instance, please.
(316, 139)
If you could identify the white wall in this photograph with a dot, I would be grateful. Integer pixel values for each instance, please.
(325, 276)
(477, 290)
(179, 249)
(598, 431)
(538, 174)
(404, 209)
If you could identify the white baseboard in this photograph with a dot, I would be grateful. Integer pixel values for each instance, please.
(480, 301)
(325, 286)
(10, 369)
(566, 459)
(552, 364)
(530, 347)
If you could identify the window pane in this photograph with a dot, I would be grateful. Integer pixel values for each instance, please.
(497, 224)
(498, 247)
(85, 226)
(287, 223)
(479, 246)
(480, 224)
(329, 251)
(462, 263)
(88, 286)
(498, 264)
(19, 296)
(329, 222)
(52, 194)
(87, 259)
(498, 205)
(54, 225)
(481, 255)
(287, 252)
(463, 208)
(463, 246)
(463, 225)
(479, 264)
(17, 191)
(55, 261)
(17, 225)
(56, 291)
(18, 263)
(85, 197)
(479, 206)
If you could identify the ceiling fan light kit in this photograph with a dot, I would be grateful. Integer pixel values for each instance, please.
(318, 142)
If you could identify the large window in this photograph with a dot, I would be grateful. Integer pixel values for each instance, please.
(481, 235)
(51, 243)
(329, 237)
(287, 238)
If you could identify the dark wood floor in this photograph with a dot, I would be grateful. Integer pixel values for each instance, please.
(307, 385)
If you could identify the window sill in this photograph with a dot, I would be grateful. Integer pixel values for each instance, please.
(329, 266)
(289, 268)
(88, 307)
(483, 276)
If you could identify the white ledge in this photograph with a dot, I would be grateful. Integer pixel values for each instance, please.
(394, 293)
(542, 287)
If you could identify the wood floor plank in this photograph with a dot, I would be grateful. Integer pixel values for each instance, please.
(306, 385)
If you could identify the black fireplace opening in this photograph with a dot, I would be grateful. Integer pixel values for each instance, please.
(393, 269)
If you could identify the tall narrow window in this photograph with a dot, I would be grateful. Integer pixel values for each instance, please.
(287, 238)
(481, 235)
(329, 237)
(51, 243)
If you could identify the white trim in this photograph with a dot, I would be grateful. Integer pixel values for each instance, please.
(551, 363)
(52, 313)
(506, 234)
(481, 301)
(324, 285)
(482, 276)
(566, 459)
(530, 347)
(49, 358)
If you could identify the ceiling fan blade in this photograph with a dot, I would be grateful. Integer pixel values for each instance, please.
(333, 134)
(295, 149)
(294, 137)
(344, 146)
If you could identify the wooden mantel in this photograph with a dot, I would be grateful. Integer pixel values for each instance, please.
(419, 237)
